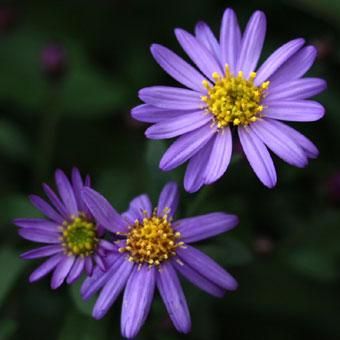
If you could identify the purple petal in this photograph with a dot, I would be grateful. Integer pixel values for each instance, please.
(193, 179)
(61, 271)
(108, 246)
(36, 223)
(99, 278)
(46, 267)
(66, 192)
(39, 235)
(141, 206)
(46, 209)
(252, 43)
(230, 39)
(206, 267)
(87, 181)
(310, 149)
(77, 184)
(137, 300)
(258, 157)
(152, 114)
(76, 270)
(294, 110)
(296, 89)
(295, 67)
(177, 68)
(185, 147)
(220, 156)
(89, 267)
(171, 98)
(173, 297)
(199, 228)
(130, 216)
(169, 198)
(112, 288)
(277, 59)
(41, 252)
(178, 126)
(102, 211)
(100, 262)
(198, 280)
(198, 53)
(206, 37)
(280, 143)
(56, 202)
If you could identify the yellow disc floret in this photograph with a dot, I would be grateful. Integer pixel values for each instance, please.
(152, 240)
(233, 99)
(79, 236)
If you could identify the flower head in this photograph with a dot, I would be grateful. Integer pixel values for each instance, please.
(152, 249)
(227, 92)
(74, 239)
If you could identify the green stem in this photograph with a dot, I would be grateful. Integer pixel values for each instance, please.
(47, 139)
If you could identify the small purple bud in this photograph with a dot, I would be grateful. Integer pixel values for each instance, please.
(263, 245)
(54, 61)
(324, 46)
(7, 18)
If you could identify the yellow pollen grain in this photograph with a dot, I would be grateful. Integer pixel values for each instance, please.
(152, 240)
(234, 100)
(79, 236)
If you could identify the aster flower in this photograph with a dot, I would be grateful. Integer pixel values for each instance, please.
(152, 250)
(72, 238)
(225, 94)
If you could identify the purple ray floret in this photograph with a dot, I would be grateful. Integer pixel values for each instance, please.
(226, 90)
(153, 249)
(72, 239)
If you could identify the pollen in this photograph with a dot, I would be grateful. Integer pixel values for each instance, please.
(234, 100)
(79, 237)
(152, 240)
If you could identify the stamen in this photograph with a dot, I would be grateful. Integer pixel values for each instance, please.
(233, 99)
(152, 240)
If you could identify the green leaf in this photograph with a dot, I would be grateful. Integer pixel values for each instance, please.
(78, 326)
(156, 178)
(84, 307)
(117, 186)
(14, 206)
(87, 93)
(12, 141)
(314, 264)
(7, 328)
(228, 251)
(10, 268)
(328, 8)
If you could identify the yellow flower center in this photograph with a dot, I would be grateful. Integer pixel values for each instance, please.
(152, 240)
(79, 237)
(234, 99)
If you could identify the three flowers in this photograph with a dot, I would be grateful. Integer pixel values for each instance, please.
(144, 248)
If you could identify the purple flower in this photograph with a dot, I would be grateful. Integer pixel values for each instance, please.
(152, 250)
(226, 94)
(54, 61)
(72, 237)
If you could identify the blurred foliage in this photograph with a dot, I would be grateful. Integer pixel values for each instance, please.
(285, 252)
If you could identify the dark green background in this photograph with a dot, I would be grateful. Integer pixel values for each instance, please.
(285, 252)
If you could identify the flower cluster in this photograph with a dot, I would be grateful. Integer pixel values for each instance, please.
(145, 248)
(136, 251)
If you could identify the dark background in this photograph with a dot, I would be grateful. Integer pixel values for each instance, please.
(285, 252)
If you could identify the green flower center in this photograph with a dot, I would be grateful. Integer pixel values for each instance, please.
(79, 237)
